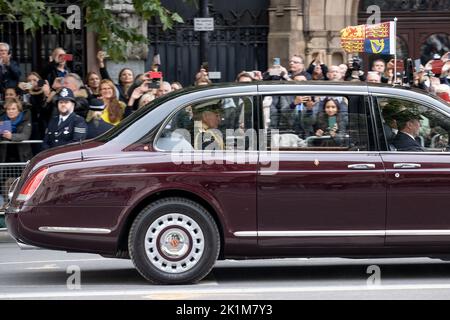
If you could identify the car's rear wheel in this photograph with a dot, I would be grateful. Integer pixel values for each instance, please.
(174, 241)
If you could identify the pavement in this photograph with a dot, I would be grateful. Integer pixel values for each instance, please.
(44, 274)
(5, 237)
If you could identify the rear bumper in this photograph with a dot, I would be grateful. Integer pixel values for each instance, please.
(24, 246)
(12, 221)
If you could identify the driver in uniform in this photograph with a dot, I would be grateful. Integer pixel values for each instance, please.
(207, 136)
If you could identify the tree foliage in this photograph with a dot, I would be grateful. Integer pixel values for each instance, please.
(112, 36)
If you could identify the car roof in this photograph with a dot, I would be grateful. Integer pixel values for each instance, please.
(321, 87)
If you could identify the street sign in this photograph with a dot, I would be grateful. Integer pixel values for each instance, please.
(215, 75)
(203, 24)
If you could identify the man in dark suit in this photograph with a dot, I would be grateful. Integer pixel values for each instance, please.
(67, 127)
(409, 126)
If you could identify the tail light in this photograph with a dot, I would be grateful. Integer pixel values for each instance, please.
(32, 184)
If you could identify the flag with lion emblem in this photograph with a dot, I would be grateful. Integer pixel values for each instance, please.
(375, 38)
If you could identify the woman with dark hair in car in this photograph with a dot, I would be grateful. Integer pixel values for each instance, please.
(330, 121)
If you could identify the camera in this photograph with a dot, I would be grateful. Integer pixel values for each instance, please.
(356, 63)
(40, 83)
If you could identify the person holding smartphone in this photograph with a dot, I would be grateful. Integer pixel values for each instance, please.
(35, 91)
(318, 69)
(57, 67)
(276, 71)
(331, 123)
(9, 69)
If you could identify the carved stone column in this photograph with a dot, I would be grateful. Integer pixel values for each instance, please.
(137, 54)
(286, 36)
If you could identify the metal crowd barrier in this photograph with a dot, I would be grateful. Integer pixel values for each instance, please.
(8, 173)
(22, 142)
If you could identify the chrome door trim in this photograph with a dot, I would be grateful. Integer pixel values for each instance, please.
(74, 230)
(346, 233)
(418, 232)
(244, 234)
(349, 233)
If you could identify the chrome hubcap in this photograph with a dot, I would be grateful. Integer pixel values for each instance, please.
(174, 243)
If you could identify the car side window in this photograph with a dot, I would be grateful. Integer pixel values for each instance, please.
(413, 127)
(316, 123)
(214, 124)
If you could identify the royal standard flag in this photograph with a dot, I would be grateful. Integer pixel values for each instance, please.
(376, 38)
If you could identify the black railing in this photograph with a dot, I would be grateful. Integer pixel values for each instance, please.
(33, 51)
(238, 42)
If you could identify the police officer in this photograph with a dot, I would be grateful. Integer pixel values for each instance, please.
(67, 127)
(207, 136)
(95, 124)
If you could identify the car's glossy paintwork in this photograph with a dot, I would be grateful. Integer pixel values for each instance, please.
(104, 182)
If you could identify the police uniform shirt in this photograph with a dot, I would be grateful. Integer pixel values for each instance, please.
(71, 129)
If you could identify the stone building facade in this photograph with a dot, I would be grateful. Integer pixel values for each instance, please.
(306, 27)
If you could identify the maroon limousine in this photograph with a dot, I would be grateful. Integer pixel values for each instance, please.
(246, 171)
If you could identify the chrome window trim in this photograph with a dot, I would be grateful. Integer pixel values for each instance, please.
(321, 92)
(74, 230)
(426, 104)
(337, 233)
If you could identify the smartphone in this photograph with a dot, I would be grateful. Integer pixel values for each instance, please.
(155, 78)
(40, 83)
(417, 64)
(67, 57)
(276, 61)
(400, 66)
(28, 86)
(436, 66)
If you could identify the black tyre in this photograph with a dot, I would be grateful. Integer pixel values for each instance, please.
(174, 241)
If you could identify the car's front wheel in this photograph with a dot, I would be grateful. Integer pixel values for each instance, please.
(174, 241)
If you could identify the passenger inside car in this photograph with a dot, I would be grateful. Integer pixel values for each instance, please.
(331, 125)
(207, 135)
(409, 127)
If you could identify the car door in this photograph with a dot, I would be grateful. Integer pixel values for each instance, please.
(322, 194)
(418, 182)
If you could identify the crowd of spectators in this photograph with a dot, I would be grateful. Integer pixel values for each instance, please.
(40, 107)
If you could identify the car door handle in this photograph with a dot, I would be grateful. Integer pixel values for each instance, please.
(407, 166)
(362, 166)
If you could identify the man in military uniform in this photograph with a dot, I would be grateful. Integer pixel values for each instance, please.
(67, 127)
(207, 136)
